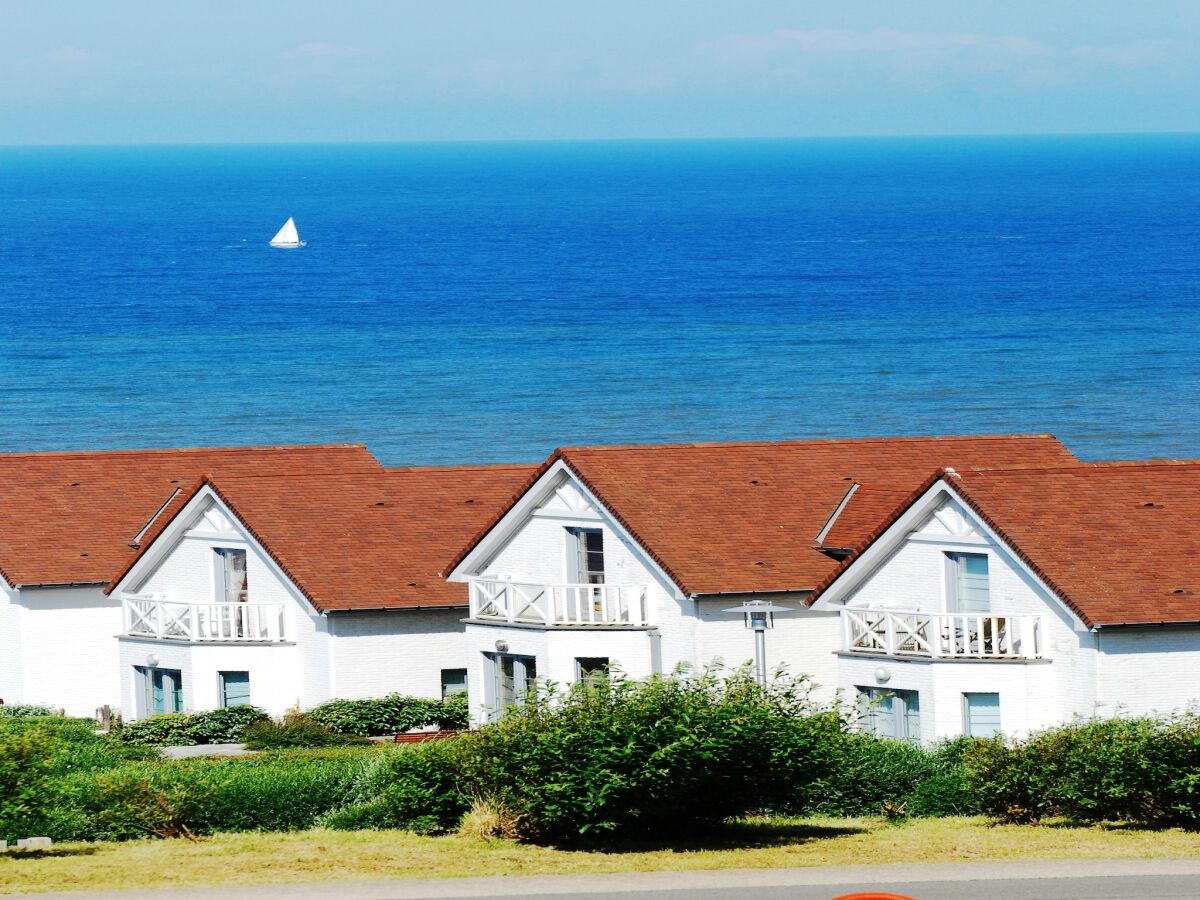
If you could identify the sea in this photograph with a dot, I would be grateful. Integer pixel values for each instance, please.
(486, 302)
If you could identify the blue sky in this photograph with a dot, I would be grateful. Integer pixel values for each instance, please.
(134, 71)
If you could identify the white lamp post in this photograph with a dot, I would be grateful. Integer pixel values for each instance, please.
(760, 615)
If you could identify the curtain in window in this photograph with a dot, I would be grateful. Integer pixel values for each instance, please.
(237, 582)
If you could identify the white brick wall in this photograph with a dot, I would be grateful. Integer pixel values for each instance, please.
(10, 646)
(1147, 671)
(68, 648)
(376, 654)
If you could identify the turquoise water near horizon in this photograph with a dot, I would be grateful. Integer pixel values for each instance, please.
(487, 302)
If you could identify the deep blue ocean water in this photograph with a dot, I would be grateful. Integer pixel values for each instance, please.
(486, 302)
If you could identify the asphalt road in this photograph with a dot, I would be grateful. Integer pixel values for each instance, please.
(1008, 880)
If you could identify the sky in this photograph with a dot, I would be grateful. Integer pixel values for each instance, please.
(136, 71)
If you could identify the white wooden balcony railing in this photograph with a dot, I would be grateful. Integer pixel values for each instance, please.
(941, 635)
(558, 604)
(171, 620)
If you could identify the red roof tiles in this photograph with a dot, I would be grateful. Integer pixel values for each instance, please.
(741, 517)
(369, 540)
(69, 518)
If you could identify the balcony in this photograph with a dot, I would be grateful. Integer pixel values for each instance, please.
(940, 635)
(559, 605)
(170, 620)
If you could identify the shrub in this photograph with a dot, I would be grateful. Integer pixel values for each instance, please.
(416, 787)
(25, 770)
(296, 731)
(666, 757)
(163, 730)
(174, 798)
(389, 715)
(26, 711)
(224, 726)
(1142, 770)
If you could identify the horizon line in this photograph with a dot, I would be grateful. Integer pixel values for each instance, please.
(595, 140)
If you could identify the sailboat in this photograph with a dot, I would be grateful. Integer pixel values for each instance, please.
(288, 237)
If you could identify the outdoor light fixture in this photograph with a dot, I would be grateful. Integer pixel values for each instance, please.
(760, 615)
(883, 675)
(151, 660)
(501, 646)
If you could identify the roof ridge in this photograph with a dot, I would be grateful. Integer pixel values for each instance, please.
(806, 442)
(1097, 466)
(462, 467)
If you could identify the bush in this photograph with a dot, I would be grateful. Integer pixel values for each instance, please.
(25, 770)
(296, 731)
(1142, 770)
(224, 726)
(667, 757)
(163, 730)
(276, 792)
(390, 715)
(26, 711)
(416, 787)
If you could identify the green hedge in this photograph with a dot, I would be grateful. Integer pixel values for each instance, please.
(218, 726)
(391, 715)
(1142, 770)
(26, 711)
(294, 732)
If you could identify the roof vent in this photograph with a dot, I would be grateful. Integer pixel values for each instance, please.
(470, 500)
(1150, 504)
(83, 554)
(412, 584)
(74, 484)
(380, 503)
(760, 563)
(1180, 591)
(754, 481)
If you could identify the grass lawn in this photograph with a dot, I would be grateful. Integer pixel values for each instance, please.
(333, 855)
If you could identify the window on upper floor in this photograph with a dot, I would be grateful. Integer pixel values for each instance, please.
(233, 583)
(587, 555)
(890, 714)
(969, 591)
(981, 714)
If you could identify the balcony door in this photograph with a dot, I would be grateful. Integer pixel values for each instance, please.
(233, 580)
(969, 588)
(516, 678)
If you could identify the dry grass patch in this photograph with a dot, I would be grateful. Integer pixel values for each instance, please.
(360, 855)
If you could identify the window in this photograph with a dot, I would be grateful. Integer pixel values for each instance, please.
(233, 585)
(891, 714)
(591, 669)
(969, 591)
(454, 681)
(235, 688)
(589, 555)
(516, 677)
(981, 715)
(161, 690)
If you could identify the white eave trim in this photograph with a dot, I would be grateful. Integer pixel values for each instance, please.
(523, 510)
(871, 558)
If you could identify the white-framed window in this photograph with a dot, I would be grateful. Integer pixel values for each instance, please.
(161, 690)
(515, 678)
(454, 681)
(235, 688)
(233, 582)
(587, 555)
(981, 714)
(591, 669)
(969, 589)
(890, 714)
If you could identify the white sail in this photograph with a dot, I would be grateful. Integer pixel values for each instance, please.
(288, 236)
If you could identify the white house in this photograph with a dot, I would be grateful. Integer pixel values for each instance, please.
(632, 557)
(287, 591)
(1013, 600)
(68, 522)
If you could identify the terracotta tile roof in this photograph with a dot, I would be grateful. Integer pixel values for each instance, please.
(369, 540)
(69, 518)
(862, 512)
(1118, 542)
(740, 517)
